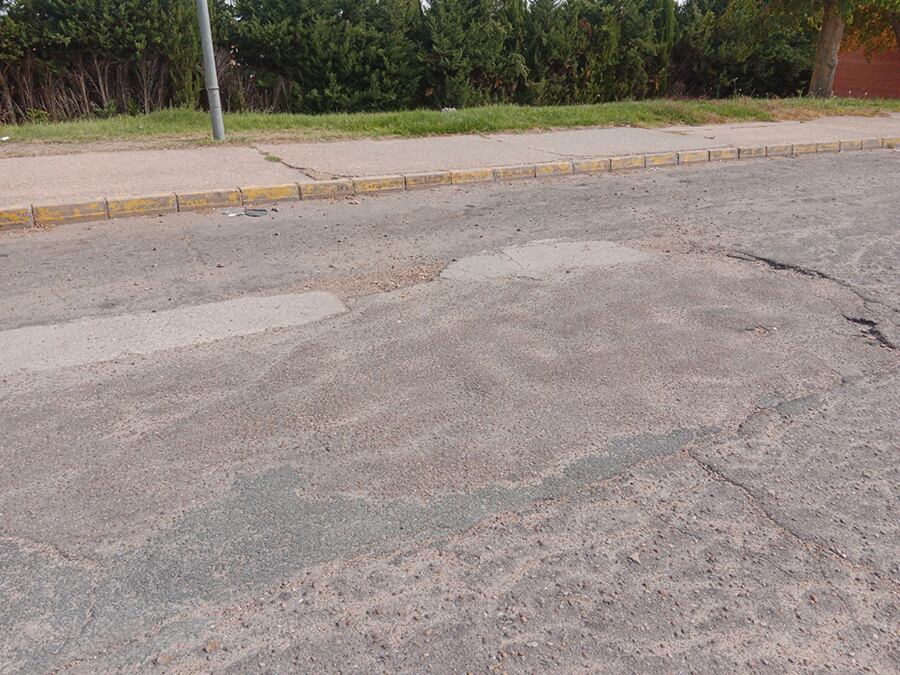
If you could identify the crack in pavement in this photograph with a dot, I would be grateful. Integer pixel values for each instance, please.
(188, 241)
(306, 171)
(810, 544)
(870, 328)
(808, 272)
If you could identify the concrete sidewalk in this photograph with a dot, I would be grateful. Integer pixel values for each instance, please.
(92, 178)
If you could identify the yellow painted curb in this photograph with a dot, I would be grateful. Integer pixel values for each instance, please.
(16, 217)
(462, 176)
(781, 150)
(693, 156)
(661, 159)
(379, 184)
(270, 193)
(70, 213)
(507, 172)
(830, 146)
(871, 144)
(804, 148)
(326, 189)
(591, 165)
(718, 154)
(426, 179)
(855, 144)
(209, 199)
(626, 162)
(141, 206)
(752, 151)
(552, 168)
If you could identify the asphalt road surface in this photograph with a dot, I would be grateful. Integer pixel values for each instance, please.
(627, 423)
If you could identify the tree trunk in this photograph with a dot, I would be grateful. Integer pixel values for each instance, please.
(895, 24)
(827, 51)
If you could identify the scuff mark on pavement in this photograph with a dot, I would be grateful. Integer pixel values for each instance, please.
(265, 528)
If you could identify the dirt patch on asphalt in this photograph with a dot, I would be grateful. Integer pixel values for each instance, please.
(380, 281)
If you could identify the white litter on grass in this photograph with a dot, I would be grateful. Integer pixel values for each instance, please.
(3, 139)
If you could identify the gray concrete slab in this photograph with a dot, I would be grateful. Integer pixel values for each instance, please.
(573, 143)
(89, 340)
(390, 156)
(409, 155)
(818, 130)
(54, 179)
(542, 260)
(684, 463)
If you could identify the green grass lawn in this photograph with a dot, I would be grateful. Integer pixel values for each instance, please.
(192, 126)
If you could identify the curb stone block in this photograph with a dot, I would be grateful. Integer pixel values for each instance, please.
(211, 199)
(591, 165)
(255, 194)
(627, 162)
(16, 217)
(871, 144)
(142, 206)
(70, 213)
(508, 172)
(782, 150)
(890, 142)
(427, 179)
(830, 146)
(693, 156)
(851, 145)
(326, 189)
(471, 176)
(379, 184)
(804, 148)
(717, 154)
(553, 168)
(752, 151)
(661, 159)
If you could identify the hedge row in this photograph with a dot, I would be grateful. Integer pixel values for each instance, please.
(61, 59)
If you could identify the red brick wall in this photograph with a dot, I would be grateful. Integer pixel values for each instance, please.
(878, 78)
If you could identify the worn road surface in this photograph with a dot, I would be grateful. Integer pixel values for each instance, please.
(624, 423)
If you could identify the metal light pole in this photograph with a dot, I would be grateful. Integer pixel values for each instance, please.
(209, 69)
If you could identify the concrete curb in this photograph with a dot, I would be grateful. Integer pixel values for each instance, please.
(47, 215)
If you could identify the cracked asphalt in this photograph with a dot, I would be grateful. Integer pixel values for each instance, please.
(665, 440)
